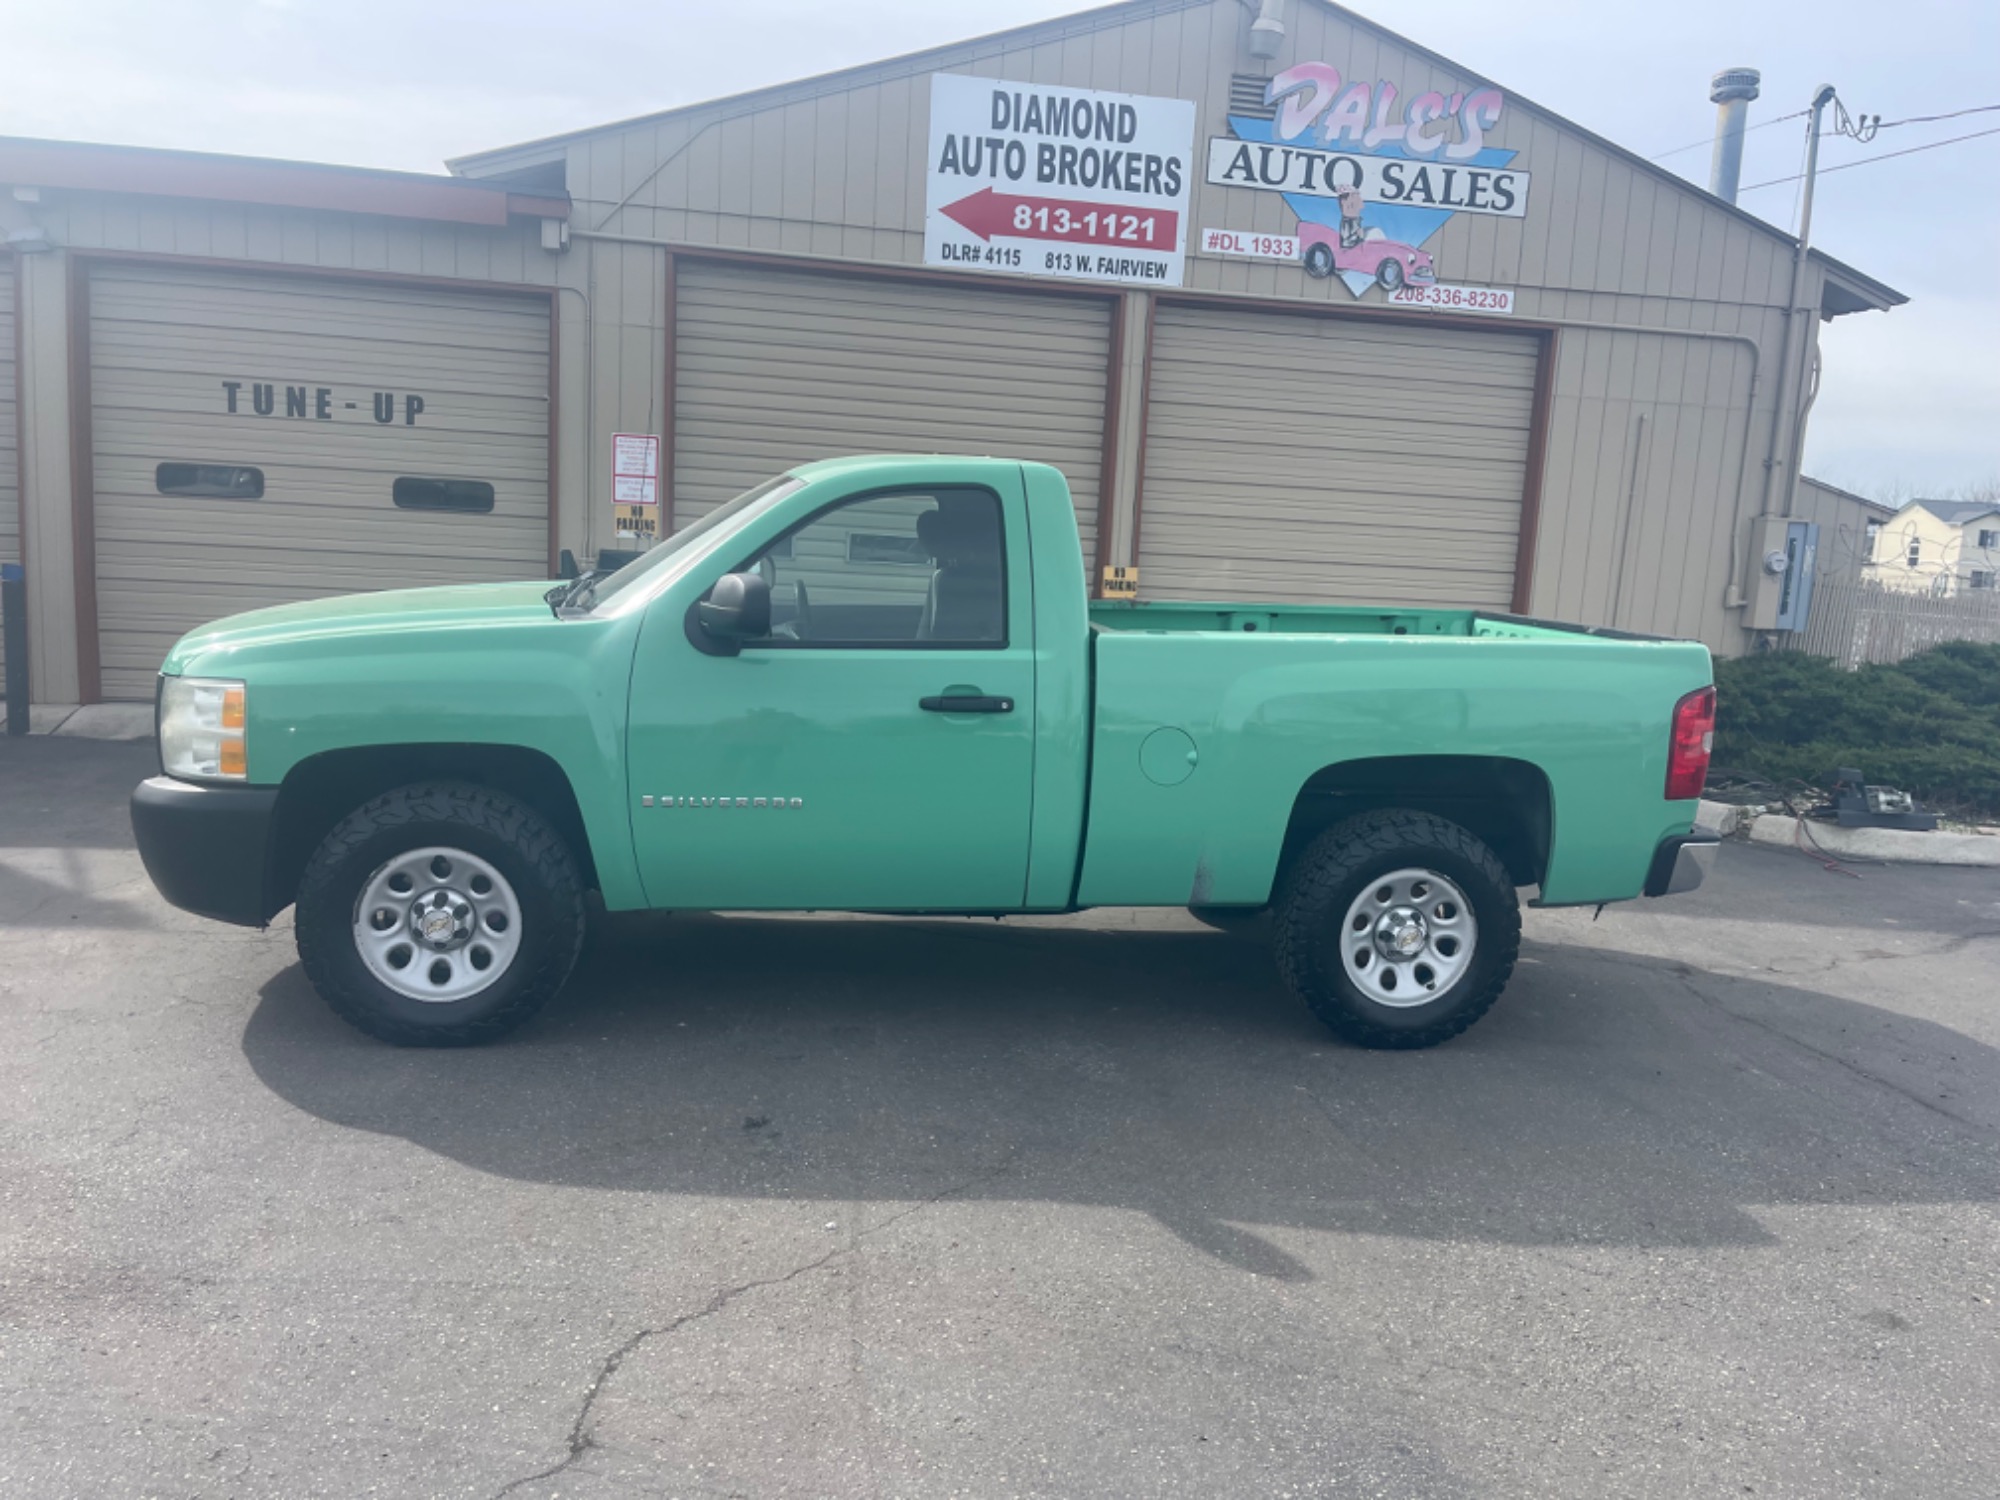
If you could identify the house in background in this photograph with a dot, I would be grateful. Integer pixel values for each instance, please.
(1939, 547)
(1848, 524)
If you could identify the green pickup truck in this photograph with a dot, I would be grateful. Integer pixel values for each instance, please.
(878, 684)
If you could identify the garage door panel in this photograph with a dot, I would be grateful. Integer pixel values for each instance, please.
(1333, 460)
(1222, 529)
(1381, 418)
(474, 452)
(774, 367)
(164, 339)
(1464, 466)
(1440, 541)
(197, 393)
(328, 533)
(1259, 404)
(1400, 586)
(381, 312)
(279, 360)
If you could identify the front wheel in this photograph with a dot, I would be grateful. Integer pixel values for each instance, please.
(1398, 929)
(440, 916)
(1390, 274)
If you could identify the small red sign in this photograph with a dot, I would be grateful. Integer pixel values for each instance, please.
(1011, 216)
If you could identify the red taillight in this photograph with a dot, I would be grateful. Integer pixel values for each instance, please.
(1693, 739)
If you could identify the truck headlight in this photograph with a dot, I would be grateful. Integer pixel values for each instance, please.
(202, 724)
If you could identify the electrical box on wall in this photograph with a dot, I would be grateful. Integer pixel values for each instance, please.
(1781, 592)
(1795, 592)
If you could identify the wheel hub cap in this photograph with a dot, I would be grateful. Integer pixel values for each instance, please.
(1408, 938)
(1401, 933)
(437, 924)
(440, 918)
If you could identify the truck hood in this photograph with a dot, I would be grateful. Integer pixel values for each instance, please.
(388, 612)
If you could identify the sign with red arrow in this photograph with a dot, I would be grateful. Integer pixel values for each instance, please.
(989, 212)
(1072, 183)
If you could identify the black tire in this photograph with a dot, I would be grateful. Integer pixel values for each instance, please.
(485, 823)
(1390, 274)
(1332, 872)
(1319, 262)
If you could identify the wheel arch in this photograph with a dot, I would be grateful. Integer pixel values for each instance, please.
(1508, 804)
(322, 789)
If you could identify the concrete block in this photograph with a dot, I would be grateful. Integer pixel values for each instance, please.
(1718, 817)
(1895, 845)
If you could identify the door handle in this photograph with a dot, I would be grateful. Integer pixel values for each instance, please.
(966, 703)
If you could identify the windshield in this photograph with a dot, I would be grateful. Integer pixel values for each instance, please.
(599, 590)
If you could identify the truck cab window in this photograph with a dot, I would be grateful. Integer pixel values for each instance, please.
(901, 569)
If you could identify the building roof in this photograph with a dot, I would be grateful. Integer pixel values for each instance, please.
(1847, 289)
(1834, 489)
(83, 167)
(1958, 512)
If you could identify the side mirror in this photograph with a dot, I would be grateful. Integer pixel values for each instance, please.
(737, 609)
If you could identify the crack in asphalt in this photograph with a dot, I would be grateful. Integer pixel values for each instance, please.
(1715, 1002)
(581, 1441)
(1951, 945)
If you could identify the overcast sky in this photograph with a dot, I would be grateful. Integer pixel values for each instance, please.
(1911, 398)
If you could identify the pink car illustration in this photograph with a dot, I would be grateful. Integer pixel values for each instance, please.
(1390, 262)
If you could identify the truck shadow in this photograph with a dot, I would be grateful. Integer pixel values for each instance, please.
(1610, 1099)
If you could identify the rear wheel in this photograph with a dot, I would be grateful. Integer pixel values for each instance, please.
(1319, 262)
(440, 915)
(1397, 929)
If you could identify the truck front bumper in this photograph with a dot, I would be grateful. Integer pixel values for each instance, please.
(1682, 862)
(207, 847)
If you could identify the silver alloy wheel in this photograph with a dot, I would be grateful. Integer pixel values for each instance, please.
(437, 924)
(1407, 938)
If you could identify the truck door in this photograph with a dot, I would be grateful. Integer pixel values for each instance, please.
(873, 752)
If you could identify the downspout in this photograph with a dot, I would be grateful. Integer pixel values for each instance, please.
(589, 408)
(1799, 431)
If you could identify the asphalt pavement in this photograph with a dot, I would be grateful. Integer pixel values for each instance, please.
(1078, 1207)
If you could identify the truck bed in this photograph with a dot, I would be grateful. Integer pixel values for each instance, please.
(1178, 618)
(1191, 714)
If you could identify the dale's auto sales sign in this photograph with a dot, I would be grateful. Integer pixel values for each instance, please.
(1037, 180)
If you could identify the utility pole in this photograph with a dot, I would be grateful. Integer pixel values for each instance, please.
(1786, 402)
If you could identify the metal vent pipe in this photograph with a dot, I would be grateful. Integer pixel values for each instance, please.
(1267, 32)
(1731, 92)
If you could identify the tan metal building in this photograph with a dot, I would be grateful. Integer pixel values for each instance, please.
(1848, 525)
(1345, 322)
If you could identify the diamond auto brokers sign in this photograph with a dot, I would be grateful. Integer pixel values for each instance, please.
(1072, 183)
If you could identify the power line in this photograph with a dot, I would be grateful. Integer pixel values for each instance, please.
(1797, 114)
(1883, 156)
(1977, 109)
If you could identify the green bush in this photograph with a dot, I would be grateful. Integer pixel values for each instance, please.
(1930, 725)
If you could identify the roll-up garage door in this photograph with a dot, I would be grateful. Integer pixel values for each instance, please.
(774, 368)
(10, 430)
(258, 439)
(1333, 460)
